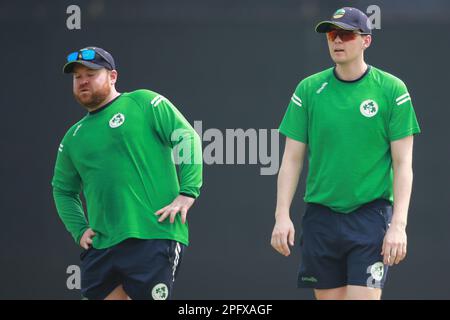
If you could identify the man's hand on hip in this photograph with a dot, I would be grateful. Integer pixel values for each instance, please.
(181, 205)
(86, 239)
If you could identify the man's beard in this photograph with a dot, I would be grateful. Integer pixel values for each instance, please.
(94, 98)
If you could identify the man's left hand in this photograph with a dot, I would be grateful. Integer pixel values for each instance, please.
(181, 205)
(394, 245)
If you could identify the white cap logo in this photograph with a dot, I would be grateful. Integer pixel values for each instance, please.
(339, 14)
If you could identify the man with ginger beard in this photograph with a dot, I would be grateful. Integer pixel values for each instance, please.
(120, 156)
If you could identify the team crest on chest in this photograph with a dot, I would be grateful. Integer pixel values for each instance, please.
(368, 108)
(117, 120)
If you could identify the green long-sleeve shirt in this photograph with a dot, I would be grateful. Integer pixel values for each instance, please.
(121, 157)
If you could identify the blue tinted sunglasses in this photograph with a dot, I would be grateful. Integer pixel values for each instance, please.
(87, 55)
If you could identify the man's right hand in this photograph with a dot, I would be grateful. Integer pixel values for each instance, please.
(283, 233)
(86, 239)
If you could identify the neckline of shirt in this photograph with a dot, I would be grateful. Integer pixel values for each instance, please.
(352, 81)
(105, 106)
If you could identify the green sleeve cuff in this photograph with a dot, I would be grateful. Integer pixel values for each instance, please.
(188, 195)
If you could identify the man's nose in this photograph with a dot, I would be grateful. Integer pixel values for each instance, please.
(338, 39)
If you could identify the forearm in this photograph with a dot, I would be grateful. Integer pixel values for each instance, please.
(191, 165)
(288, 178)
(70, 210)
(403, 178)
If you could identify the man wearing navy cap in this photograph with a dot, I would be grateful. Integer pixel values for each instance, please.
(357, 123)
(120, 156)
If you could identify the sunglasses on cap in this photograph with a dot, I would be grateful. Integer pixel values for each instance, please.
(344, 35)
(86, 55)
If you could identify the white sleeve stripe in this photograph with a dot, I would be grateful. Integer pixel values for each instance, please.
(296, 102)
(402, 96)
(155, 98)
(159, 100)
(403, 101)
(296, 98)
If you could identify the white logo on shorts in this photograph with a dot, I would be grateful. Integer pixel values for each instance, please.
(117, 120)
(377, 271)
(160, 292)
(368, 108)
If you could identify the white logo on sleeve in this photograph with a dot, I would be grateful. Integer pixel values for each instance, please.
(368, 108)
(160, 292)
(322, 87)
(117, 120)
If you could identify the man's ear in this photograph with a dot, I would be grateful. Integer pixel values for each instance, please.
(367, 41)
(113, 76)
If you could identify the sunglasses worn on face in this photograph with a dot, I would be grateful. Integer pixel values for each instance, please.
(344, 35)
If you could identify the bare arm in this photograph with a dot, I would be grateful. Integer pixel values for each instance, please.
(395, 241)
(288, 176)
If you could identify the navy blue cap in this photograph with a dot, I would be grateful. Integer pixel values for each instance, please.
(103, 59)
(346, 18)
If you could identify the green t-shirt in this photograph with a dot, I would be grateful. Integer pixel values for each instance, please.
(121, 157)
(348, 127)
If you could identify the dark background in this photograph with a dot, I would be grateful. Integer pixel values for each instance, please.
(231, 64)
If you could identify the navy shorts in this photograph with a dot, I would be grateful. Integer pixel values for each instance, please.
(145, 268)
(343, 249)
